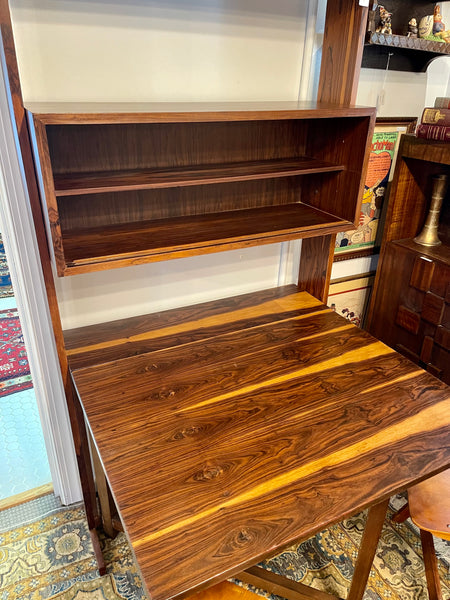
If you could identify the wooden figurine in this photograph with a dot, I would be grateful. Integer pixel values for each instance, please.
(412, 28)
(385, 24)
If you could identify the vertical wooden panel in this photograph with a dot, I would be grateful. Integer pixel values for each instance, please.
(342, 51)
(339, 74)
(316, 261)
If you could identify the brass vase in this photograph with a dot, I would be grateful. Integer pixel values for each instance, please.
(429, 234)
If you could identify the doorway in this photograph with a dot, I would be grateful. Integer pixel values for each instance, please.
(24, 468)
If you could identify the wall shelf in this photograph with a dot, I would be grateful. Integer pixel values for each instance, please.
(149, 241)
(403, 53)
(127, 187)
(146, 179)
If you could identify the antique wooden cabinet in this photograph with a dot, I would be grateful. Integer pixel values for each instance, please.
(410, 308)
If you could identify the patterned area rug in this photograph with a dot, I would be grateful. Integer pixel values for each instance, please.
(5, 279)
(14, 368)
(52, 559)
(326, 561)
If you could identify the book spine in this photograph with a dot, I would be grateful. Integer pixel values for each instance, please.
(442, 102)
(440, 133)
(436, 116)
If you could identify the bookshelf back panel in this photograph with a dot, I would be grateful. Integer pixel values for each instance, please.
(115, 147)
(95, 210)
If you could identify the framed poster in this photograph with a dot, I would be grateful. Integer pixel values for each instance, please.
(363, 240)
(350, 297)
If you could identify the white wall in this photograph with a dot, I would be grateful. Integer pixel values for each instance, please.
(174, 50)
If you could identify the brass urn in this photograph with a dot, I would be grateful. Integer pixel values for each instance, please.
(429, 234)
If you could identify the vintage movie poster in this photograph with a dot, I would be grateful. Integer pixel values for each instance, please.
(384, 145)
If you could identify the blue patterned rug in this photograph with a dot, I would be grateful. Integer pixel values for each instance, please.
(51, 558)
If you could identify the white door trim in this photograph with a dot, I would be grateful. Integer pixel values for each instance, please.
(19, 236)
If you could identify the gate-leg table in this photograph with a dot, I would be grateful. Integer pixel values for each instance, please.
(231, 430)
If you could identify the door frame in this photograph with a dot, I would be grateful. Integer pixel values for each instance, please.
(21, 247)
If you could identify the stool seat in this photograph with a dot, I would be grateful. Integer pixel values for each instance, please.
(429, 509)
(429, 505)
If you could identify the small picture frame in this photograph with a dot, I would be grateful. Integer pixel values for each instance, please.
(350, 297)
(365, 239)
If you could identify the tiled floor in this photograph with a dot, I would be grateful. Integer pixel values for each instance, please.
(23, 462)
(27, 512)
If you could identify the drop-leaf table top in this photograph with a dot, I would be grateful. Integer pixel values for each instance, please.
(229, 430)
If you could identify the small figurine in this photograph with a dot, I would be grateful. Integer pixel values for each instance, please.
(438, 25)
(385, 25)
(426, 26)
(412, 28)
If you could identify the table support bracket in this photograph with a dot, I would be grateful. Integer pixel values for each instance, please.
(293, 590)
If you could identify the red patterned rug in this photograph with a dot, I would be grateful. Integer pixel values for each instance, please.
(14, 368)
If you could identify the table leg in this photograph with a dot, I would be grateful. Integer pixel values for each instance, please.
(87, 479)
(369, 544)
(102, 491)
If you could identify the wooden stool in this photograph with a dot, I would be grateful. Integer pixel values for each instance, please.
(429, 509)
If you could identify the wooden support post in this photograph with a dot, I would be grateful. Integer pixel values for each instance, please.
(345, 28)
(316, 261)
(369, 544)
(343, 45)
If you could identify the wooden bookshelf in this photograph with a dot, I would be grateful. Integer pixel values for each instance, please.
(127, 185)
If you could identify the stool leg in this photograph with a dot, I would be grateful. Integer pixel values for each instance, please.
(431, 566)
(369, 543)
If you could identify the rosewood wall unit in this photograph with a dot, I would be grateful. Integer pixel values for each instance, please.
(128, 184)
(410, 308)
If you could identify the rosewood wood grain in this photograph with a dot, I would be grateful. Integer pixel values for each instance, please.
(339, 76)
(418, 160)
(168, 174)
(58, 113)
(92, 183)
(369, 544)
(134, 243)
(256, 437)
(410, 313)
(342, 51)
(316, 262)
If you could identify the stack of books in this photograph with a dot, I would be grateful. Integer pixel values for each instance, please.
(435, 121)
